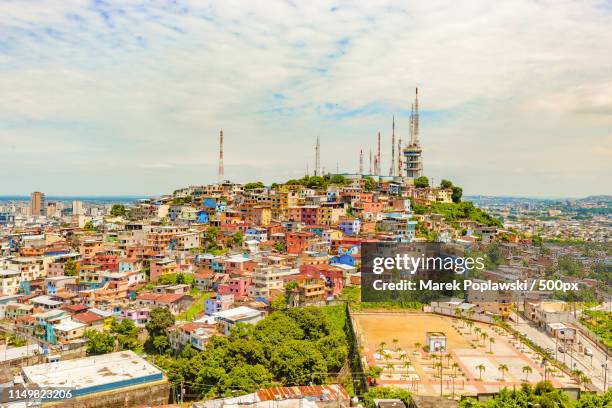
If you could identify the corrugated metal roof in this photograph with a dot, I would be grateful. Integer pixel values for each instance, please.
(328, 392)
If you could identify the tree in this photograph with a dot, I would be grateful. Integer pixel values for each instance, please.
(456, 194)
(180, 278)
(89, 226)
(537, 240)
(290, 286)
(278, 303)
(484, 337)
(455, 368)
(70, 268)
(446, 184)
(374, 372)
(395, 345)
(407, 365)
(503, 369)
(99, 342)
(421, 182)
(211, 234)
(369, 184)
(491, 341)
(381, 347)
(298, 362)
(245, 378)
(339, 179)
(389, 368)
(117, 210)
(292, 346)
(126, 333)
(481, 368)
(279, 246)
(237, 239)
(527, 370)
(316, 182)
(385, 393)
(160, 344)
(253, 185)
(160, 319)
(470, 325)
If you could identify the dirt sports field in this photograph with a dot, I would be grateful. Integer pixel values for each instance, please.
(407, 328)
(470, 365)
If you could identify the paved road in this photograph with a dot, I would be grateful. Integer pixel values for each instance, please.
(591, 366)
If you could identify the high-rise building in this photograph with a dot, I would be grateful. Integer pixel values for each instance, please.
(37, 203)
(77, 207)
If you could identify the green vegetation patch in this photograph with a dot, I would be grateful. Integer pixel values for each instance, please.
(600, 323)
(289, 347)
(464, 210)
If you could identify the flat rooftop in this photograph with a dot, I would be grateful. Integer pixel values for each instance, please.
(91, 374)
(237, 313)
(19, 352)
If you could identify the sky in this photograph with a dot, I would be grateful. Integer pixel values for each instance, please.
(124, 97)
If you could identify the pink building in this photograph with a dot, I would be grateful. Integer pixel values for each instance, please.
(332, 275)
(239, 287)
(162, 267)
(55, 269)
(139, 316)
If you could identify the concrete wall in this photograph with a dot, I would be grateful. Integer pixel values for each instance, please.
(10, 368)
(153, 393)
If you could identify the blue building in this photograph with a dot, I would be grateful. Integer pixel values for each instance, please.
(202, 217)
(343, 259)
(350, 226)
(400, 226)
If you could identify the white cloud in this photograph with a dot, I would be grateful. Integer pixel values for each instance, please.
(505, 86)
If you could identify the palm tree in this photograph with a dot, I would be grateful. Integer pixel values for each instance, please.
(407, 365)
(381, 347)
(417, 346)
(527, 370)
(491, 341)
(477, 332)
(448, 359)
(481, 368)
(438, 365)
(455, 367)
(389, 367)
(470, 325)
(395, 342)
(484, 337)
(585, 379)
(503, 369)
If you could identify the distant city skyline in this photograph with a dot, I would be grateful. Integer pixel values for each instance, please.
(117, 99)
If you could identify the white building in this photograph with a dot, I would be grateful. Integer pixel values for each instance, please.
(229, 318)
(266, 278)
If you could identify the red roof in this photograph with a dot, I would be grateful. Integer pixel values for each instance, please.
(159, 297)
(26, 318)
(87, 317)
(75, 308)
